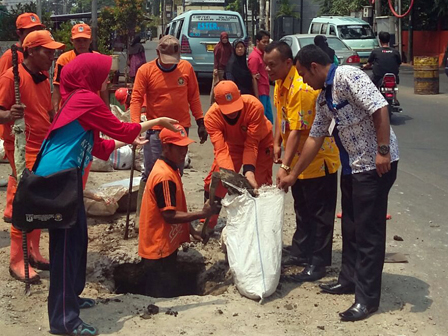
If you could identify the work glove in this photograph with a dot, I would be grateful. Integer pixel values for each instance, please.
(202, 132)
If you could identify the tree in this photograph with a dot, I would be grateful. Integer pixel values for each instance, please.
(286, 9)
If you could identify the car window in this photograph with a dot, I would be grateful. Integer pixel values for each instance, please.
(336, 44)
(211, 25)
(303, 41)
(332, 30)
(167, 30)
(323, 30)
(173, 28)
(315, 28)
(355, 32)
(179, 28)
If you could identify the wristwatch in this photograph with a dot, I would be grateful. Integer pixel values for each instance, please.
(285, 167)
(383, 149)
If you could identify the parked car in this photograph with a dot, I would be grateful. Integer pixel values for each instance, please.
(344, 53)
(354, 32)
(198, 32)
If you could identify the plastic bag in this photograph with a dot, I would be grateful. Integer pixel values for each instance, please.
(101, 165)
(254, 240)
(123, 116)
(121, 158)
(103, 201)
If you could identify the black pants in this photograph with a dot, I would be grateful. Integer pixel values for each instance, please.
(68, 258)
(314, 205)
(364, 209)
(161, 276)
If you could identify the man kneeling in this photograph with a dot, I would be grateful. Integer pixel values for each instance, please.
(164, 220)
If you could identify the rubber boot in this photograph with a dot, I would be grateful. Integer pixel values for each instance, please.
(141, 190)
(10, 193)
(16, 263)
(36, 259)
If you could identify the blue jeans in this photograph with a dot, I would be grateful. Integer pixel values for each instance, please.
(266, 101)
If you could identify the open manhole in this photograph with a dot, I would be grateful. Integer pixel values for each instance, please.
(193, 278)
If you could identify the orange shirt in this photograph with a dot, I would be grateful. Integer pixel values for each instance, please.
(168, 93)
(62, 61)
(37, 99)
(6, 60)
(241, 139)
(164, 191)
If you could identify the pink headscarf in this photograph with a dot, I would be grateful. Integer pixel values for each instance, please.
(85, 75)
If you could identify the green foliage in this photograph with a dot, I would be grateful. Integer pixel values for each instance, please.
(340, 7)
(63, 34)
(106, 27)
(286, 9)
(236, 6)
(8, 20)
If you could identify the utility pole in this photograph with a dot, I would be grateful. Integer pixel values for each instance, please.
(263, 14)
(400, 34)
(377, 13)
(39, 8)
(411, 37)
(95, 24)
(272, 10)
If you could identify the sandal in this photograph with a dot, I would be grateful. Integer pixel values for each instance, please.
(84, 329)
(85, 303)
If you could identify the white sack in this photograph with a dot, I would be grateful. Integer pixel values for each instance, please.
(101, 165)
(254, 240)
(121, 158)
(103, 201)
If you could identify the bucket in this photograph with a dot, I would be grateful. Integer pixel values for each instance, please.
(114, 66)
(426, 75)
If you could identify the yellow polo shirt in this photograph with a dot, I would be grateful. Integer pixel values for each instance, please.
(296, 108)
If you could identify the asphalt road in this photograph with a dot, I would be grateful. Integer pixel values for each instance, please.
(418, 201)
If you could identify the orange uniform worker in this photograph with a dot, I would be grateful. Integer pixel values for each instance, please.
(164, 219)
(39, 48)
(171, 89)
(241, 136)
(25, 24)
(81, 39)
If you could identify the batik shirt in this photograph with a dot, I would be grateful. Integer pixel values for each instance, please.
(350, 98)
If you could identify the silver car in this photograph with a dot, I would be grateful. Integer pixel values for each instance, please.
(344, 53)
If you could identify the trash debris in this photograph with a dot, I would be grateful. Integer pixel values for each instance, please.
(171, 312)
(398, 238)
(101, 165)
(103, 201)
(152, 309)
(392, 258)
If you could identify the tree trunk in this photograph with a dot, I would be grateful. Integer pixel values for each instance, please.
(262, 14)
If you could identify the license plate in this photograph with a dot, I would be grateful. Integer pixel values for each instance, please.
(210, 47)
(363, 60)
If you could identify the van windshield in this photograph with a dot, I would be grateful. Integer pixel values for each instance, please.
(355, 32)
(211, 25)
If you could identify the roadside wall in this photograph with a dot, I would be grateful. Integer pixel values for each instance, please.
(428, 43)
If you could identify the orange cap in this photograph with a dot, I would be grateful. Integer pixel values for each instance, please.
(81, 30)
(169, 49)
(228, 97)
(176, 138)
(28, 20)
(41, 38)
(121, 94)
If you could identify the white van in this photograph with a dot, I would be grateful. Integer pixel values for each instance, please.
(356, 33)
(198, 32)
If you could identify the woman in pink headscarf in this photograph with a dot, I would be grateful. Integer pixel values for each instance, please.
(73, 138)
(222, 52)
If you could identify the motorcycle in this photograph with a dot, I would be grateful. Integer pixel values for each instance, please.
(389, 89)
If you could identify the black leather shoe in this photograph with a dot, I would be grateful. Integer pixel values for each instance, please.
(337, 288)
(357, 312)
(290, 260)
(311, 273)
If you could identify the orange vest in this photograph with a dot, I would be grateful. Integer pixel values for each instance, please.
(157, 238)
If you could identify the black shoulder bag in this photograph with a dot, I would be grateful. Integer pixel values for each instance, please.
(48, 202)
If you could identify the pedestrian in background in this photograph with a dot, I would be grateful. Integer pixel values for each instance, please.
(353, 110)
(137, 57)
(237, 70)
(322, 42)
(222, 52)
(258, 69)
(315, 189)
